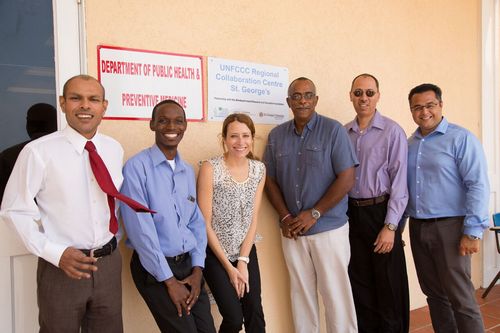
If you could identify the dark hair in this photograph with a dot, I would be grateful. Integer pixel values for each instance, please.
(302, 78)
(426, 87)
(242, 118)
(166, 101)
(365, 75)
(86, 78)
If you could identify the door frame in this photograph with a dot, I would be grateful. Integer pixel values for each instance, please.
(490, 125)
(70, 45)
(18, 273)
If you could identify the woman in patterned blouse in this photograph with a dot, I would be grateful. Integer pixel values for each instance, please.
(229, 195)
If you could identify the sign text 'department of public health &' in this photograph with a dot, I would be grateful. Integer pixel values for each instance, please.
(136, 80)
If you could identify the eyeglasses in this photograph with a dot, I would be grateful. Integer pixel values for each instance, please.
(298, 96)
(368, 92)
(419, 108)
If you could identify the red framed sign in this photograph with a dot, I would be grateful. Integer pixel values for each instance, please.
(136, 80)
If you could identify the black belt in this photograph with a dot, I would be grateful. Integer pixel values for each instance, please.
(103, 251)
(437, 219)
(369, 201)
(178, 258)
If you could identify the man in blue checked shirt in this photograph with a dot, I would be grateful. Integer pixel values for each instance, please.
(448, 208)
(170, 245)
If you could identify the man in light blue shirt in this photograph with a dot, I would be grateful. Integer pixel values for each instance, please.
(448, 209)
(170, 245)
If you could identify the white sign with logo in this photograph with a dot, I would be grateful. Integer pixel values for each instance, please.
(255, 89)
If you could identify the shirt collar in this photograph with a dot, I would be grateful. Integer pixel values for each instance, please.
(310, 124)
(78, 141)
(377, 122)
(441, 128)
(158, 158)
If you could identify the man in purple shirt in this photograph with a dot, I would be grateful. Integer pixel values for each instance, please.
(377, 269)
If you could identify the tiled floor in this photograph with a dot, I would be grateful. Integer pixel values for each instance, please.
(420, 321)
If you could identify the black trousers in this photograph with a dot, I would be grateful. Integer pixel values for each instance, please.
(156, 296)
(379, 281)
(235, 311)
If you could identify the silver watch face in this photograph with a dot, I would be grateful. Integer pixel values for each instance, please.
(391, 227)
(316, 214)
(473, 237)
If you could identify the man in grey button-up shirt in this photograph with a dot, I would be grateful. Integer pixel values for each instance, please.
(310, 168)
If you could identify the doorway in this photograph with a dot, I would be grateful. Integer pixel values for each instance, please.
(491, 125)
(40, 47)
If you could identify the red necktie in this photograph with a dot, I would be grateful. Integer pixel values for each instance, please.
(106, 184)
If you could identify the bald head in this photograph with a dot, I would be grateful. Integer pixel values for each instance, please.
(86, 78)
(365, 75)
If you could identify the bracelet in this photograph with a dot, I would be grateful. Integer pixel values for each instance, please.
(244, 259)
(285, 217)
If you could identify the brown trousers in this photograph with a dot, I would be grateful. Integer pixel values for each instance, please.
(94, 305)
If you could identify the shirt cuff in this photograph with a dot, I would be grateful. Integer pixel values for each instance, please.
(53, 253)
(392, 219)
(474, 231)
(198, 260)
(164, 278)
(164, 272)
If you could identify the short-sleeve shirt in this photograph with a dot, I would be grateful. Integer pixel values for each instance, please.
(305, 165)
(233, 204)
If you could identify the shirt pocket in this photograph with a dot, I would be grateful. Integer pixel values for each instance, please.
(188, 207)
(282, 160)
(314, 155)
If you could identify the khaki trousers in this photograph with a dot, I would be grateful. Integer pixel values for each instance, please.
(319, 263)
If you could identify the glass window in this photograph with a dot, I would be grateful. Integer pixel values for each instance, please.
(26, 64)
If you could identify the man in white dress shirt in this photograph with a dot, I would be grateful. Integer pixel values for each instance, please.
(56, 206)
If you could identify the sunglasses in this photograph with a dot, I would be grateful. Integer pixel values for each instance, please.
(368, 92)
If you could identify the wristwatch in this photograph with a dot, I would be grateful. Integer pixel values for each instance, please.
(391, 227)
(472, 237)
(315, 213)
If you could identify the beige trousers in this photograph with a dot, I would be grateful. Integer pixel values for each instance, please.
(319, 263)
